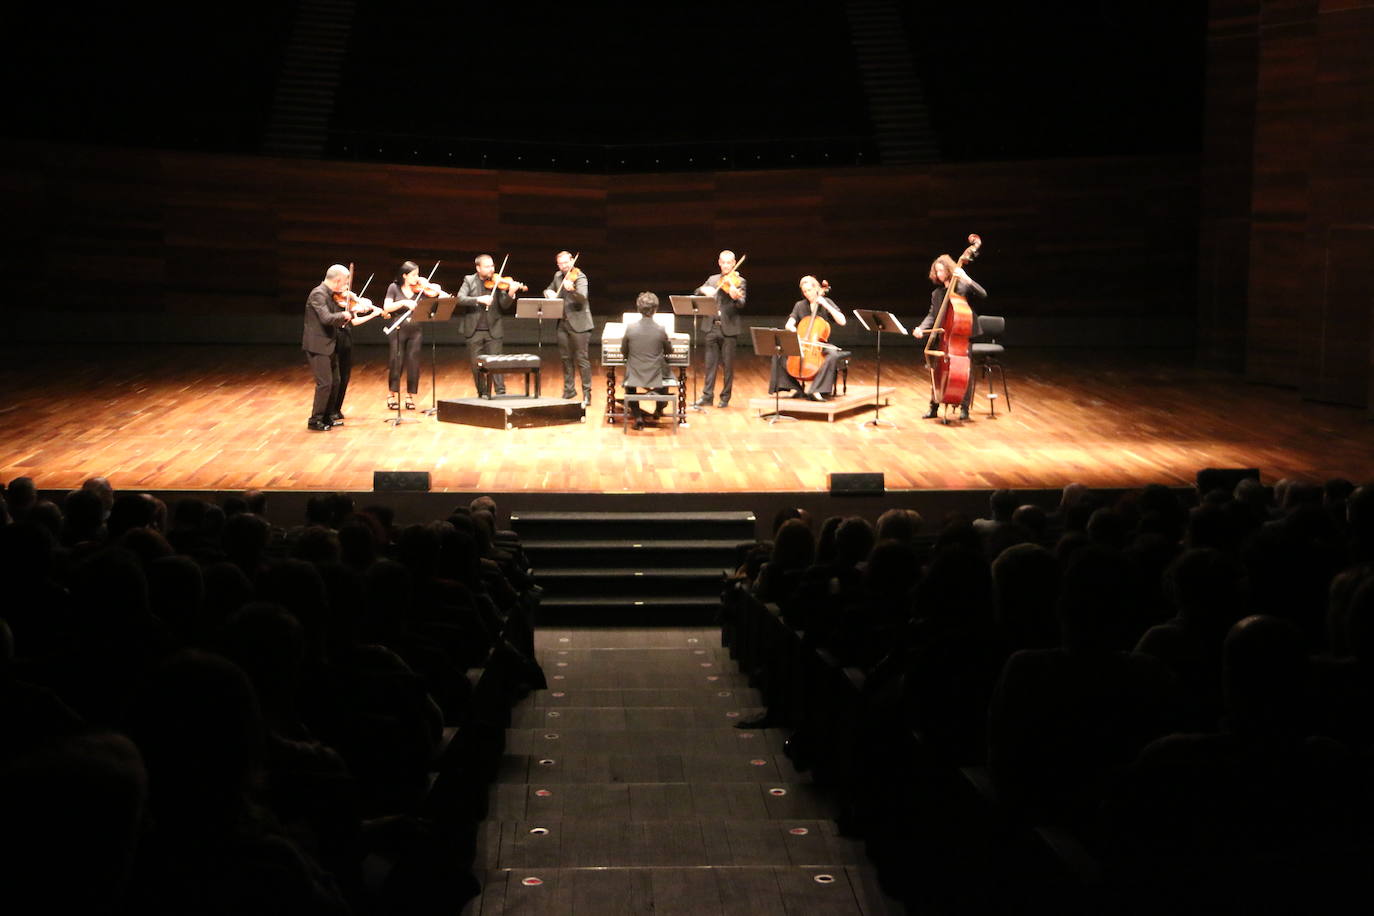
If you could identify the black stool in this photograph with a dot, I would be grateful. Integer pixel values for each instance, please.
(986, 354)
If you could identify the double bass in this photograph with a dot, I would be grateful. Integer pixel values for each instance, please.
(812, 332)
(947, 348)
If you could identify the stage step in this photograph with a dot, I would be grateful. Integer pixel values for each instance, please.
(631, 567)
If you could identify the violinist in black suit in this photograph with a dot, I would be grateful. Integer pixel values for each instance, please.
(647, 349)
(483, 308)
(722, 330)
(569, 283)
(329, 309)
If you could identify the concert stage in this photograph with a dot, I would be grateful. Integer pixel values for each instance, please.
(175, 417)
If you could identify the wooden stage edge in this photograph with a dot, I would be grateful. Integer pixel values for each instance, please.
(216, 419)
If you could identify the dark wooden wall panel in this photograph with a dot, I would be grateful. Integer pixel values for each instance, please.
(1313, 199)
(169, 232)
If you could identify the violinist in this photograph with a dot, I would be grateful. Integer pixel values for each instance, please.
(569, 283)
(485, 298)
(721, 330)
(404, 342)
(329, 309)
(942, 270)
(814, 304)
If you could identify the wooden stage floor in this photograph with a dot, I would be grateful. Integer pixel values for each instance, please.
(169, 417)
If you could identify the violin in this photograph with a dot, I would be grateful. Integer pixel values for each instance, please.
(812, 332)
(422, 287)
(505, 284)
(574, 272)
(949, 366)
(732, 280)
(345, 298)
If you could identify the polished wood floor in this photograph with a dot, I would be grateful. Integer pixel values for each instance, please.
(198, 417)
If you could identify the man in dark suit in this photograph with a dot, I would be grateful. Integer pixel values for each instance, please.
(646, 357)
(721, 330)
(574, 327)
(323, 319)
(480, 321)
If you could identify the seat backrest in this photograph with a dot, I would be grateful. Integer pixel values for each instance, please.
(991, 326)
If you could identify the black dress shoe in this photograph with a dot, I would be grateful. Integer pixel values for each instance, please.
(639, 424)
(569, 394)
(703, 401)
(586, 399)
(724, 402)
(932, 413)
(336, 419)
(318, 425)
(963, 413)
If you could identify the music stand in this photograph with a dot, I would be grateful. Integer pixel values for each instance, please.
(781, 343)
(696, 306)
(539, 309)
(882, 323)
(441, 310)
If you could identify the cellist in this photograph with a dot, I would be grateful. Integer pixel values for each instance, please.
(814, 305)
(942, 270)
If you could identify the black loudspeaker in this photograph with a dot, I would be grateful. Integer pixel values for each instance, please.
(401, 480)
(856, 485)
(1209, 479)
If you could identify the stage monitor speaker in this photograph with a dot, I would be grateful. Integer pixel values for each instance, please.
(1209, 479)
(856, 485)
(401, 480)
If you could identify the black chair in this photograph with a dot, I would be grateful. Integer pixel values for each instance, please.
(986, 354)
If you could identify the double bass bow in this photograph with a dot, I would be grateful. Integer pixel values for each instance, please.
(947, 348)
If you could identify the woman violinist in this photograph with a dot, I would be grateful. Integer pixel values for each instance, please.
(942, 270)
(812, 375)
(404, 342)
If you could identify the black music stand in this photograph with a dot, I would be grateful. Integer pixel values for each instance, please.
(882, 323)
(695, 306)
(539, 309)
(441, 310)
(781, 343)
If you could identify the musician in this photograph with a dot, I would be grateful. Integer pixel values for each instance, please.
(325, 317)
(721, 330)
(480, 322)
(574, 327)
(941, 270)
(404, 343)
(822, 384)
(646, 358)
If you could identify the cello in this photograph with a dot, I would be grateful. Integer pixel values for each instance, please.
(947, 349)
(812, 332)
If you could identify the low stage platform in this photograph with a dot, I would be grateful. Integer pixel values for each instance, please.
(179, 417)
(510, 412)
(830, 409)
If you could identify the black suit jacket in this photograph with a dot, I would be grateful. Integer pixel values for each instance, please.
(577, 312)
(323, 318)
(729, 308)
(646, 353)
(501, 303)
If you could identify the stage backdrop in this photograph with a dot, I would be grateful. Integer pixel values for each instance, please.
(157, 245)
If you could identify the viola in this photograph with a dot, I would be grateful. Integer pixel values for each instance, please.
(732, 280)
(947, 349)
(812, 331)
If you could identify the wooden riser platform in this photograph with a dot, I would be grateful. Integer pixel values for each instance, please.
(842, 404)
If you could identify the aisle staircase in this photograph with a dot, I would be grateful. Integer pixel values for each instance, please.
(640, 568)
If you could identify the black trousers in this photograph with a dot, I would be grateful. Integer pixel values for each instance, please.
(343, 355)
(481, 343)
(325, 368)
(633, 408)
(823, 382)
(404, 349)
(572, 347)
(720, 354)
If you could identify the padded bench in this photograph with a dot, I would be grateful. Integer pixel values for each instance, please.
(490, 364)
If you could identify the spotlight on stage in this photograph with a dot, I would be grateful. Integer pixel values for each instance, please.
(401, 480)
(856, 484)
